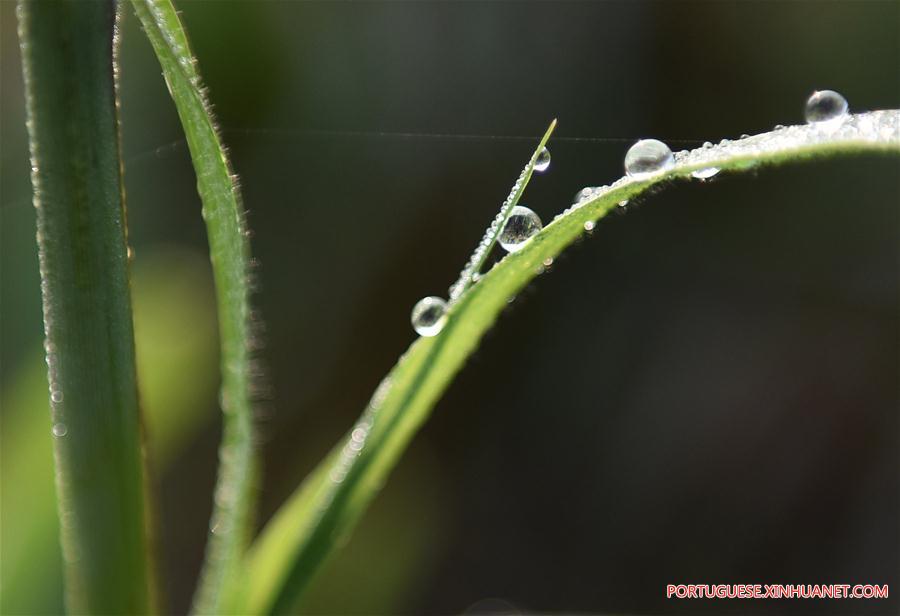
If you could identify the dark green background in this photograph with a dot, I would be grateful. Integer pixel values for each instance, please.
(704, 391)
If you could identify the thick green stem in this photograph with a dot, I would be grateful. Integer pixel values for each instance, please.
(68, 55)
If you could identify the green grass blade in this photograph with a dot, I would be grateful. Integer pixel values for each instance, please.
(316, 518)
(231, 522)
(322, 511)
(489, 239)
(68, 55)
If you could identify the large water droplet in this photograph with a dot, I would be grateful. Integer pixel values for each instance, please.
(704, 174)
(648, 157)
(542, 162)
(824, 106)
(428, 316)
(521, 225)
(59, 430)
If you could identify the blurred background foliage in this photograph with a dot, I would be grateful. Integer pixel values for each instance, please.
(705, 391)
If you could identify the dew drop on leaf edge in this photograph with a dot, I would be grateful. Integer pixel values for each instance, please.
(825, 106)
(648, 157)
(521, 226)
(583, 194)
(428, 316)
(542, 162)
(704, 174)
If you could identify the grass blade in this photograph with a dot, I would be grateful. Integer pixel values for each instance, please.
(68, 55)
(320, 514)
(231, 521)
(325, 508)
(489, 240)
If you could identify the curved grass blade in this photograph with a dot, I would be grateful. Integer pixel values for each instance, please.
(69, 57)
(231, 522)
(316, 521)
(321, 513)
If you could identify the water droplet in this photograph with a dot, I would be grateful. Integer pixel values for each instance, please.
(707, 145)
(704, 174)
(59, 430)
(56, 396)
(648, 157)
(542, 162)
(623, 203)
(589, 225)
(824, 106)
(521, 225)
(428, 316)
(583, 194)
(548, 261)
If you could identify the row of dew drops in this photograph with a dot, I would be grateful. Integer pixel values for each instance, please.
(644, 159)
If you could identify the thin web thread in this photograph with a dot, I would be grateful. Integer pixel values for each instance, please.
(178, 144)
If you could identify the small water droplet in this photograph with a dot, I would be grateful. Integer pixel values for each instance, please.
(704, 174)
(744, 135)
(583, 194)
(542, 162)
(779, 126)
(648, 157)
(56, 396)
(521, 226)
(825, 106)
(623, 203)
(59, 430)
(548, 261)
(589, 225)
(428, 316)
(707, 145)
